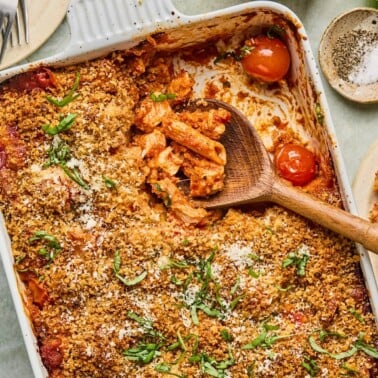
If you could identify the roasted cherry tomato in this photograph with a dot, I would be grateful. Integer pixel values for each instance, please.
(41, 78)
(296, 164)
(268, 59)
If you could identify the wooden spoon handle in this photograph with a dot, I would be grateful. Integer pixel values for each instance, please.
(331, 217)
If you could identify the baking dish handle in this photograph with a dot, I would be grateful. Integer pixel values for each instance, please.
(92, 23)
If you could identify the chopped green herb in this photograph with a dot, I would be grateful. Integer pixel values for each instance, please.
(236, 301)
(176, 281)
(319, 113)
(70, 96)
(349, 371)
(168, 200)
(236, 286)
(253, 274)
(212, 312)
(165, 368)
(110, 184)
(212, 367)
(311, 366)
(339, 356)
(368, 349)
(270, 230)
(226, 55)
(59, 154)
(226, 336)
(117, 262)
(180, 343)
(265, 339)
(254, 257)
(185, 242)
(63, 125)
(275, 31)
(244, 50)
(157, 187)
(53, 247)
(179, 264)
(298, 260)
(48, 254)
(133, 281)
(162, 97)
(143, 353)
(357, 315)
(43, 235)
(19, 258)
(323, 334)
(280, 288)
(74, 175)
(147, 326)
(116, 267)
(251, 370)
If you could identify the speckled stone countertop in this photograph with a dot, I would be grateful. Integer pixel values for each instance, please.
(356, 129)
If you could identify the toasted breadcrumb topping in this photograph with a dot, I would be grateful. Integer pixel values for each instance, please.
(221, 299)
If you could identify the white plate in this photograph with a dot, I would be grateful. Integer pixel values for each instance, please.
(363, 191)
(44, 18)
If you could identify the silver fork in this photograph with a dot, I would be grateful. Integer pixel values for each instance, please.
(21, 24)
(8, 10)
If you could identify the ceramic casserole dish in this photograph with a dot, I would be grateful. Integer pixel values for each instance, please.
(111, 275)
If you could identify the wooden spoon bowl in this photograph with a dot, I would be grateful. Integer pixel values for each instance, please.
(251, 178)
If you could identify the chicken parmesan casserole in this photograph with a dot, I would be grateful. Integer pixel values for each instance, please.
(122, 276)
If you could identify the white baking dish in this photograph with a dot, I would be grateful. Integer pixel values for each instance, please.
(97, 29)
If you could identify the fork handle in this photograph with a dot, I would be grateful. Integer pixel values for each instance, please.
(331, 217)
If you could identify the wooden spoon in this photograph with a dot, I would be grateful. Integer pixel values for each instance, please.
(251, 178)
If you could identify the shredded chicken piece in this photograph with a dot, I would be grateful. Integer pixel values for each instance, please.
(211, 123)
(181, 86)
(151, 113)
(177, 203)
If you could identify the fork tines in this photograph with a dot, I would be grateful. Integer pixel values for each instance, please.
(21, 25)
(14, 29)
(7, 15)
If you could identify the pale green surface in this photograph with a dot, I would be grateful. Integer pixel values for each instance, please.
(356, 128)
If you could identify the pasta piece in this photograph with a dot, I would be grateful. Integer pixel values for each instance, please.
(177, 203)
(37, 293)
(210, 123)
(151, 113)
(206, 177)
(151, 143)
(183, 134)
(167, 161)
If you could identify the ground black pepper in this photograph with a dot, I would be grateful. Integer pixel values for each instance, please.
(349, 50)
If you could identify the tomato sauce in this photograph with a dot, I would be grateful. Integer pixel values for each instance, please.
(41, 78)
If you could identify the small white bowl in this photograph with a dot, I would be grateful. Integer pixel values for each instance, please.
(348, 54)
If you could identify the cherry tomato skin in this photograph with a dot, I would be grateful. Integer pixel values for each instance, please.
(269, 59)
(296, 164)
(42, 78)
